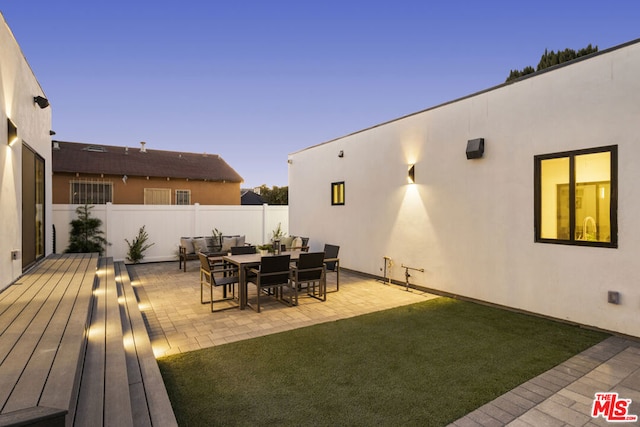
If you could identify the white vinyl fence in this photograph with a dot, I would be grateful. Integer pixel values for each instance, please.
(165, 224)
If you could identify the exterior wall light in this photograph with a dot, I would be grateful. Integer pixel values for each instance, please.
(475, 148)
(41, 101)
(12, 132)
(411, 174)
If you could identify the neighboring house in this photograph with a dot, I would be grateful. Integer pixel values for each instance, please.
(25, 159)
(249, 197)
(97, 174)
(546, 219)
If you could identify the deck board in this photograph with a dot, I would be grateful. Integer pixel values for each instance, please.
(53, 319)
(158, 410)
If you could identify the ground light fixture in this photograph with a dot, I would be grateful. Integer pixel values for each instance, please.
(411, 174)
(41, 101)
(12, 132)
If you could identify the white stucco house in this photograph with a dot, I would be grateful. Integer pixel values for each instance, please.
(546, 219)
(25, 159)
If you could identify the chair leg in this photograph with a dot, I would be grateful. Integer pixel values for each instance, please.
(211, 287)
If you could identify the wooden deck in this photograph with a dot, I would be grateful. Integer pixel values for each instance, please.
(74, 349)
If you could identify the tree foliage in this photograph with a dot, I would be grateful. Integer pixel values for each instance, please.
(85, 235)
(551, 58)
(276, 195)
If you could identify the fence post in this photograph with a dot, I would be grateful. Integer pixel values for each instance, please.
(265, 238)
(196, 219)
(107, 220)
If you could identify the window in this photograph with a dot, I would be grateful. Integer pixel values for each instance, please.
(91, 192)
(183, 197)
(337, 193)
(576, 197)
(157, 196)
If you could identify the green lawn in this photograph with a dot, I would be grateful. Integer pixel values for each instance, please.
(423, 364)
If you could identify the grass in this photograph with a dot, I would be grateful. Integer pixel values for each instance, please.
(425, 364)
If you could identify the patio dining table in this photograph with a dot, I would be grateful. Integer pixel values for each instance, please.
(246, 262)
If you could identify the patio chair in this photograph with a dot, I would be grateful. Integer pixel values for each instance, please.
(227, 281)
(333, 262)
(310, 271)
(273, 274)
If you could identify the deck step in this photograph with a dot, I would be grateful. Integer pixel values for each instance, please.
(74, 349)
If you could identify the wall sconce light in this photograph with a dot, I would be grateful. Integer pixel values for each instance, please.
(12, 132)
(475, 148)
(41, 101)
(411, 174)
(341, 154)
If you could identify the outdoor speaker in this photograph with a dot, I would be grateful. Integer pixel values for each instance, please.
(475, 148)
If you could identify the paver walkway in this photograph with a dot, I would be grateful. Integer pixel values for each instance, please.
(562, 396)
(167, 296)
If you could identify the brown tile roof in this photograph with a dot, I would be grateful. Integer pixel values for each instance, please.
(75, 157)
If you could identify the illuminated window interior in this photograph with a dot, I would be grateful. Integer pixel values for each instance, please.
(337, 193)
(575, 197)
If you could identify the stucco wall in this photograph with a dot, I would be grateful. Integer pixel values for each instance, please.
(18, 86)
(470, 223)
(132, 192)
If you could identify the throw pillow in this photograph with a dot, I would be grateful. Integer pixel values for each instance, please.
(200, 244)
(287, 241)
(228, 243)
(240, 241)
(187, 243)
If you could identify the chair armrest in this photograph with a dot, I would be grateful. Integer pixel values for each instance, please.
(221, 268)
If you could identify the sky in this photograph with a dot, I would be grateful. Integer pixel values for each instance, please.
(254, 81)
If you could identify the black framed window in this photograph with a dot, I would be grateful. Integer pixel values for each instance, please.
(337, 193)
(576, 197)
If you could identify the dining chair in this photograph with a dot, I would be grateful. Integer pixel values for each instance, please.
(228, 281)
(332, 261)
(311, 271)
(273, 273)
(243, 250)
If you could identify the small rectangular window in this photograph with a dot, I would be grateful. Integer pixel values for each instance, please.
(183, 197)
(337, 193)
(576, 197)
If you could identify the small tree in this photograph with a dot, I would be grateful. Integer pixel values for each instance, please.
(85, 234)
(138, 246)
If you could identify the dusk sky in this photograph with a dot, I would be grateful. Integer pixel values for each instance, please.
(256, 80)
